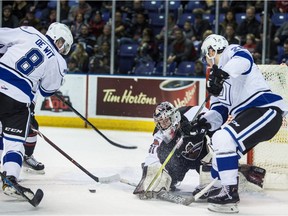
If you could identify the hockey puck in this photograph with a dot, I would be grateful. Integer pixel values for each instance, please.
(92, 190)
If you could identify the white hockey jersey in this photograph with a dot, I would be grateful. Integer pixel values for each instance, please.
(245, 88)
(30, 61)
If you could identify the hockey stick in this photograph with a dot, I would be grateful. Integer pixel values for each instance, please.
(178, 144)
(90, 124)
(174, 197)
(36, 198)
(108, 179)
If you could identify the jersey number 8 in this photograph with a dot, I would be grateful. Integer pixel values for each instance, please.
(30, 61)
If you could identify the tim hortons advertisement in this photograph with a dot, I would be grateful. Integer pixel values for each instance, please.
(137, 97)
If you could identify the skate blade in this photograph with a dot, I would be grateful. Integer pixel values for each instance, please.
(32, 171)
(226, 208)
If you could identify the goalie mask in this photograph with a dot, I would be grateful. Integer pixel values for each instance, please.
(215, 42)
(166, 117)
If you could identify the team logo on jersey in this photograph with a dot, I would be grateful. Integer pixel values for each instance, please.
(55, 105)
(224, 96)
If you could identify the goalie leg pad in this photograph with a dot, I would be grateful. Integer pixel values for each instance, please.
(163, 182)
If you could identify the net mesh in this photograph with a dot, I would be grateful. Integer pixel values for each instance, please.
(272, 154)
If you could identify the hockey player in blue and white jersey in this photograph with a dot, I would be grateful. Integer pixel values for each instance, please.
(31, 61)
(238, 89)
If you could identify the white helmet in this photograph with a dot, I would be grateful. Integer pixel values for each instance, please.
(166, 116)
(216, 42)
(57, 31)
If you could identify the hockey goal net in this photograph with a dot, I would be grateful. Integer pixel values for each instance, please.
(273, 154)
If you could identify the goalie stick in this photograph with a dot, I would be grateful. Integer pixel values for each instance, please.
(36, 198)
(178, 144)
(175, 197)
(91, 125)
(107, 179)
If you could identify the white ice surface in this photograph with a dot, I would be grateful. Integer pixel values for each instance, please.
(66, 187)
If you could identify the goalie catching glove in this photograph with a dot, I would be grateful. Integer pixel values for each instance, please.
(216, 80)
(163, 182)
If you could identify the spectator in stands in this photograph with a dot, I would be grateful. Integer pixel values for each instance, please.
(51, 18)
(20, 8)
(199, 69)
(82, 7)
(228, 20)
(30, 20)
(105, 36)
(189, 30)
(182, 49)
(9, 19)
(283, 57)
(100, 62)
(170, 31)
(86, 38)
(122, 29)
(271, 47)
(147, 48)
(72, 66)
(136, 8)
(138, 27)
(230, 35)
(281, 6)
(249, 25)
(96, 24)
(81, 56)
(250, 43)
(201, 25)
(77, 24)
(64, 11)
(281, 34)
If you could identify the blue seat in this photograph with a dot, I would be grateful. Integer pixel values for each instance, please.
(169, 71)
(279, 18)
(191, 5)
(185, 68)
(174, 7)
(157, 22)
(144, 68)
(126, 55)
(185, 16)
(209, 17)
(153, 5)
(128, 50)
(240, 17)
(106, 16)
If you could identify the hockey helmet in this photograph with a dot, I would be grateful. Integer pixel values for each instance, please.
(166, 116)
(58, 31)
(216, 42)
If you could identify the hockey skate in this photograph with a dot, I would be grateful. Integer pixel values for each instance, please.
(9, 190)
(213, 191)
(31, 165)
(226, 201)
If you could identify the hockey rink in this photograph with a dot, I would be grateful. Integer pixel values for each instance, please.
(66, 187)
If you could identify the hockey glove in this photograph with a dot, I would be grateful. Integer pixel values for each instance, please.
(216, 80)
(200, 125)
